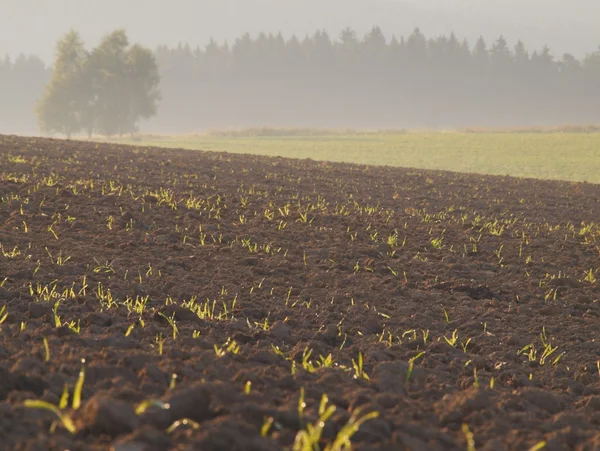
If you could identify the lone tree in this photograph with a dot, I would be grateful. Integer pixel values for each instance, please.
(60, 108)
(107, 90)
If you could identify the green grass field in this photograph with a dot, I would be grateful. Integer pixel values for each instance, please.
(545, 155)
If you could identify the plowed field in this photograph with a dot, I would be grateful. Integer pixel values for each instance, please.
(213, 301)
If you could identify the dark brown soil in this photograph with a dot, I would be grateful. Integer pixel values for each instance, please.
(278, 275)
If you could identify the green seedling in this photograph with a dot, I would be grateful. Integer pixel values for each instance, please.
(309, 438)
(469, 438)
(392, 240)
(15, 252)
(172, 323)
(411, 365)
(532, 353)
(3, 314)
(344, 341)
(75, 326)
(230, 347)
(548, 349)
(183, 422)
(589, 276)
(263, 325)
(57, 322)
(293, 368)
(437, 243)
(160, 341)
(266, 427)
(465, 345)
(145, 405)
(46, 350)
(446, 317)
(357, 365)
(306, 362)
(63, 418)
(52, 231)
(452, 341)
(301, 405)
(425, 335)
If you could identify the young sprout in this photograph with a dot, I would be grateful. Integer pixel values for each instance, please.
(446, 317)
(358, 368)
(130, 329)
(468, 437)
(437, 243)
(411, 364)
(46, 350)
(301, 405)
(159, 343)
(51, 230)
(183, 422)
(343, 439)
(453, 340)
(172, 323)
(230, 347)
(465, 345)
(266, 427)
(145, 405)
(309, 438)
(589, 276)
(75, 326)
(79, 386)
(64, 419)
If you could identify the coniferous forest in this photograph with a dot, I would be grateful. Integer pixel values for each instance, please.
(414, 81)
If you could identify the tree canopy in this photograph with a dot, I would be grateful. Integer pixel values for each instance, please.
(107, 90)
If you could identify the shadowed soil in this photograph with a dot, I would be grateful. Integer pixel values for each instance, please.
(450, 304)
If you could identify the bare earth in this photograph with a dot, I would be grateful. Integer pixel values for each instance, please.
(463, 309)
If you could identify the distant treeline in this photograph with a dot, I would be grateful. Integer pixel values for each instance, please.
(368, 82)
(22, 82)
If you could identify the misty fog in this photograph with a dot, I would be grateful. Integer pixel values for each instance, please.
(243, 80)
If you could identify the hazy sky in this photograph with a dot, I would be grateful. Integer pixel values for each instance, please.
(33, 26)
